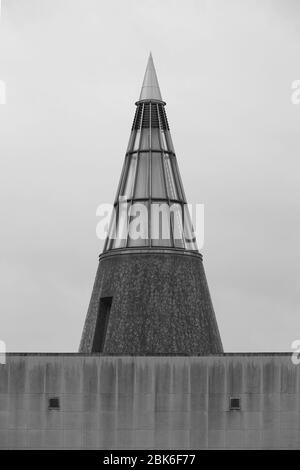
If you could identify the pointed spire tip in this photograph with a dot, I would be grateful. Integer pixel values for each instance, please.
(150, 88)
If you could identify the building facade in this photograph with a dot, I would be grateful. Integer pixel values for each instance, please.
(78, 401)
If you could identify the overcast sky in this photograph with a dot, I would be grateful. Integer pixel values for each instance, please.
(73, 70)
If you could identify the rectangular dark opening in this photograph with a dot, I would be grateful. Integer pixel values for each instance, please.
(101, 324)
(234, 403)
(53, 403)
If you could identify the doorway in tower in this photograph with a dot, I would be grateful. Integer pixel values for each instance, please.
(101, 324)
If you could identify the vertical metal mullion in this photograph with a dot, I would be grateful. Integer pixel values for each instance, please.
(150, 178)
(164, 175)
(115, 208)
(182, 223)
(109, 230)
(125, 169)
(178, 177)
(121, 182)
(137, 165)
(123, 177)
(179, 189)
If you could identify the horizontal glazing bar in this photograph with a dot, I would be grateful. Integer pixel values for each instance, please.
(156, 199)
(169, 152)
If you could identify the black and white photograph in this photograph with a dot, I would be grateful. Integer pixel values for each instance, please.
(150, 227)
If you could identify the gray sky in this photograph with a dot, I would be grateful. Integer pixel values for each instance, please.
(73, 70)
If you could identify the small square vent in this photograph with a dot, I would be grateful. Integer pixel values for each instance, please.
(53, 403)
(234, 403)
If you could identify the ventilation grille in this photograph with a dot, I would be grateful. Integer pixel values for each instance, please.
(53, 403)
(234, 403)
(154, 116)
(147, 113)
(146, 116)
(163, 118)
(137, 118)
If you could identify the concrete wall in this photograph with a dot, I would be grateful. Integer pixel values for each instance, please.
(149, 402)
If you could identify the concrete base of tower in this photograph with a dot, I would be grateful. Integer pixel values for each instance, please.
(147, 302)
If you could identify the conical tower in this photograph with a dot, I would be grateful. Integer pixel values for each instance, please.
(150, 294)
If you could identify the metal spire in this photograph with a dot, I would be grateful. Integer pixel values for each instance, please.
(150, 88)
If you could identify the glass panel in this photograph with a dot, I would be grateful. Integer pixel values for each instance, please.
(138, 224)
(169, 141)
(157, 177)
(171, 186)
(155, 143)
(131, 140)
(134, 140)
(163, 140)
(141, 189)
(177, 178)
(160, 224)
(111, 231)
(145, 141)
(137, 140)
(128, 184)
(122, 226)
(177, 227)
(189, 235)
